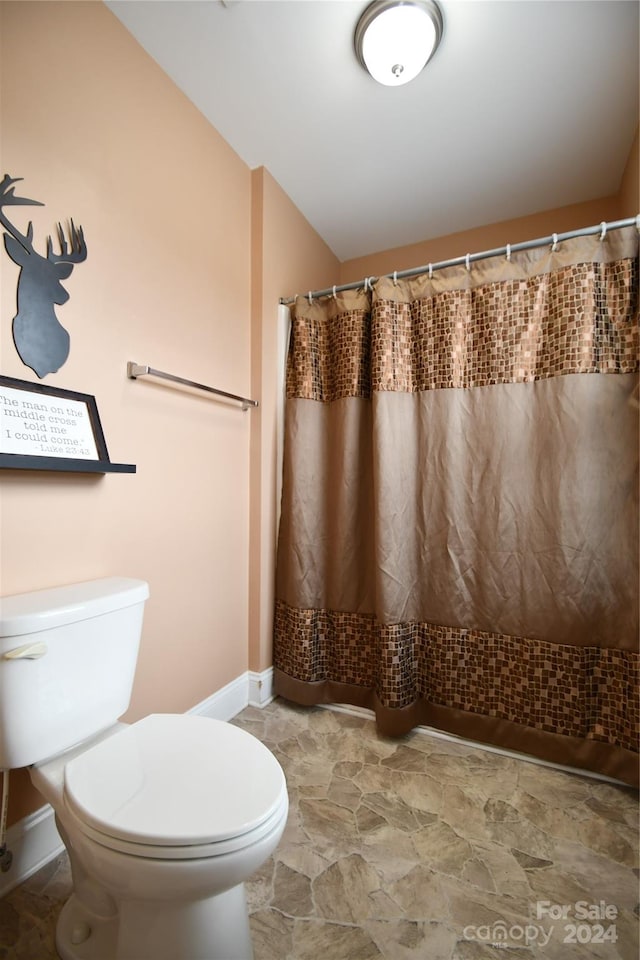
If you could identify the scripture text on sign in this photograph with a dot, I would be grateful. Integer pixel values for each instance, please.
(38, 425)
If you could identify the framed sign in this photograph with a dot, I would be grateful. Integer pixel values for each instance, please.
(43, 421)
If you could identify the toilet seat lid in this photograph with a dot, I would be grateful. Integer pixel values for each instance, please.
(175, 780)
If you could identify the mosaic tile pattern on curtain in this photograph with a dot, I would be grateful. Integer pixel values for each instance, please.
(579, 319)
(583, 692)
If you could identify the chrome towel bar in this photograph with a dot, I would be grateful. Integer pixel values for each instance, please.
(135, 370)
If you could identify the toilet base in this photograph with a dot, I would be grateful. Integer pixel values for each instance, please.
(74, 923)
(213, 929)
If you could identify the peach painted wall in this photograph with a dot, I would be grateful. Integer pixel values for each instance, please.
(288, 256)
(99, 133)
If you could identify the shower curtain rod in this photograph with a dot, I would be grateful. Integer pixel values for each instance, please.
(469, 258)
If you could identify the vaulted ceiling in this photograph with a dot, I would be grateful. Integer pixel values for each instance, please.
(526, 105)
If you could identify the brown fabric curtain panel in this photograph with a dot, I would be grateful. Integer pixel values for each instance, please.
(459, 533)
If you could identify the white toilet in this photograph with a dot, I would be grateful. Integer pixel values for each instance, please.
(163, 819)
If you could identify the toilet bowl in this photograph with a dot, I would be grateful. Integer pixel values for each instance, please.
(163, 819)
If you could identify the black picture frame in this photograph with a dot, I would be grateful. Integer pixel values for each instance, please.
(36, 391)
(95, 460)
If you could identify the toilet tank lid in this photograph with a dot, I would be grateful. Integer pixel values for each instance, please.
(44, 609)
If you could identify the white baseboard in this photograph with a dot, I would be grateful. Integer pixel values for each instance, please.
(250, 689)
(227, 702)
(261, 687)
(34, 840)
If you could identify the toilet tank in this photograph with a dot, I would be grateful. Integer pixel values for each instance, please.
(67, 661)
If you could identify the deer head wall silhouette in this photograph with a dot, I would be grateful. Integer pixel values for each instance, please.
(41, 341)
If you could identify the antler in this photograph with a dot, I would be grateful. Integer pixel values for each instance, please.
(78, 251)
(7, 199)
(7, 196)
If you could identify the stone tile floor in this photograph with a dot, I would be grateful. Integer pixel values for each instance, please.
(414, 849)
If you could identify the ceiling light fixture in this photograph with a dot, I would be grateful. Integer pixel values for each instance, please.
(395, 39)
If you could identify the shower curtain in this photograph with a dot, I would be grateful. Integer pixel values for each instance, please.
(459, 532)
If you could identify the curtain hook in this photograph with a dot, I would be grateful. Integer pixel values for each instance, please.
(554, 245)
(310, 296)
(509, 252)
(430, 271)
(603, 230)
(395, 278)
(334, 291)
(467, 261)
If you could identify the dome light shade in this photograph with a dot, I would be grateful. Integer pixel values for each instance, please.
(395, 39)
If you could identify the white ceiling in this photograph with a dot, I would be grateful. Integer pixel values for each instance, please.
(527, 105)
